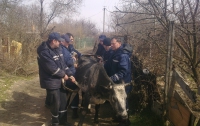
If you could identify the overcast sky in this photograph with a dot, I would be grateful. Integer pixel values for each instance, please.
(93, 10)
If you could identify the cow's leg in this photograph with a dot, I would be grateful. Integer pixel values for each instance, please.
(96, 116)
(84, 110)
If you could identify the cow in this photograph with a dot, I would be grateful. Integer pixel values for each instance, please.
(97, 87)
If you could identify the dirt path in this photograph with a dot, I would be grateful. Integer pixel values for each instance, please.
(25, 107)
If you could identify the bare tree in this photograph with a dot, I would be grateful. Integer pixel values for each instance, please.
(149, 20)
(27, 24)
(57, 8)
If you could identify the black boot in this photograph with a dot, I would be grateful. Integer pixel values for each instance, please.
(54, 121)
(63, 119)
(75, 113)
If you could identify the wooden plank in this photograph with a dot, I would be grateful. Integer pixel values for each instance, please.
(193, 116)
(178, 97)
(178, 114)
(185, 87)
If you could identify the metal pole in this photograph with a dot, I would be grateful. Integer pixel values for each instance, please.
(104, 18)
(169, 64)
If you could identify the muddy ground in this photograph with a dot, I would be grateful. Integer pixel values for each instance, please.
(24, 106)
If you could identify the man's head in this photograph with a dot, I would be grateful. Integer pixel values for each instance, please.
(101, 38)
(71, 37)
(65, 40)
(115, 43)
(54, 39)
(107, 43)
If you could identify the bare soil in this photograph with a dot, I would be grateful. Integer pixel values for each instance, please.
(24, 106)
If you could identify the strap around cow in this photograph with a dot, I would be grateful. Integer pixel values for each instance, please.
(71, 96)
(68, 89)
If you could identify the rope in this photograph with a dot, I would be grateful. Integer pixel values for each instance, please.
(68, 89)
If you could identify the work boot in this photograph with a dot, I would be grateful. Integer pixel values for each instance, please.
(54, 121)
(75, 113)
(63, 119)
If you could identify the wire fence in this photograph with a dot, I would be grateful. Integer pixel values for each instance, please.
(84, 42)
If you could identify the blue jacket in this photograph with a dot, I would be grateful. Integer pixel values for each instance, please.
(68, 59)
(51, 66)
(119, 66)
(72, 50)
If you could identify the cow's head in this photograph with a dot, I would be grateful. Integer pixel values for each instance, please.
(118, 99)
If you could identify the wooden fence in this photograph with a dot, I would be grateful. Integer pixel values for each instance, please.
(178, 111)
(177, 92)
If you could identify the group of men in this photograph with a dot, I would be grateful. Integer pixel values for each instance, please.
(116, 58)
(56, 63)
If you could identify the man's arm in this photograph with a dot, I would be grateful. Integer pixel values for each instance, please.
(123, 68)
(48, 64)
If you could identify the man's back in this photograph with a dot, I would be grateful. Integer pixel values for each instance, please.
(50, 66)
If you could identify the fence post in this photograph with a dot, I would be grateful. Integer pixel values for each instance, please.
(8, 46)
(168, 73)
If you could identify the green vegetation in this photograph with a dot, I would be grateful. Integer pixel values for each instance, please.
(146, 118)
(6, 81)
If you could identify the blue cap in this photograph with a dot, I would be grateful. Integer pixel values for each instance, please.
(102, 37)
(66, 38)
(54, 35)
(107, 42)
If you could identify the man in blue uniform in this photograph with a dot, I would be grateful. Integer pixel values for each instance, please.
(52, 70)
(100, 50)
(119, 65)
(65, 43)
(108, 50)
(71, 48)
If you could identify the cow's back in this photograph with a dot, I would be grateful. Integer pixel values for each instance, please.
(91, 74)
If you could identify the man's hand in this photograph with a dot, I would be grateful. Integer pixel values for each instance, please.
(72, 79)
(75, 65)
(66, 77)
(74, 58)
(100, 59)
